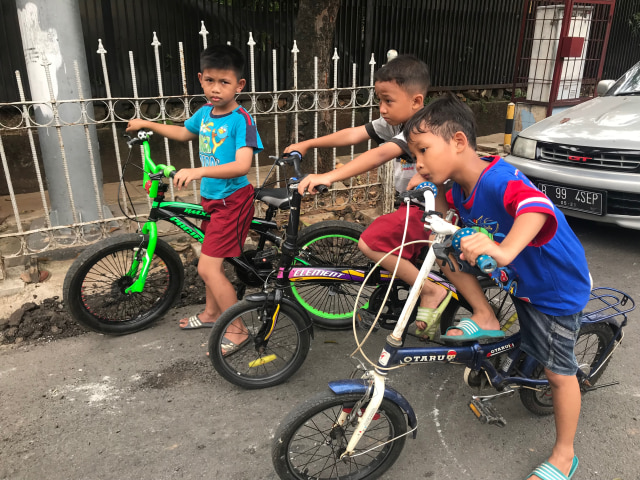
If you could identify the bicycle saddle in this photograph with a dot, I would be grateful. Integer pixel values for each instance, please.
(276, 197)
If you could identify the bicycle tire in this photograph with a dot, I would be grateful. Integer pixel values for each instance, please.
(287, 349)
(592, 340)
(93, 288)
(499, 300)
(310, 432)
(332, 243)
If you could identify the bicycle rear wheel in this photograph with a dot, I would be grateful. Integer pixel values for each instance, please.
(288, 345)
(331, 244)
(94, 286)
(309, 442)
(592, 341)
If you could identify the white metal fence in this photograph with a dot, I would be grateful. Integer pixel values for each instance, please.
(17, 221)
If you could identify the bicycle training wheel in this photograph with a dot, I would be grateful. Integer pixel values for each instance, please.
(331, 244)
(499, 300)
(94, 286)
(287, 347)
(592, 341)
(309, 442)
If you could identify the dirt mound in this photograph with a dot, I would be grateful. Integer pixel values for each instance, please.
(50, 319)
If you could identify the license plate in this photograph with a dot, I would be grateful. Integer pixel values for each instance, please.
(588, 201)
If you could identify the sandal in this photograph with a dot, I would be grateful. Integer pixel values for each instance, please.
(431, 316)
(547, 471)
(229, 348)
(194, 322)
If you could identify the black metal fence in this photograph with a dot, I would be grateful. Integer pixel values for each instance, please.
(467, 43)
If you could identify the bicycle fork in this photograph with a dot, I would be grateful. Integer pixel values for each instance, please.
(150, 229)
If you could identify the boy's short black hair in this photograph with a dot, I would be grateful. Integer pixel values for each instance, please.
(444, 117)
(222, 57)
(408, 71)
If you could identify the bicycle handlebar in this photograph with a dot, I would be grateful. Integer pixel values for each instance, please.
(140, 137)
(294, 159)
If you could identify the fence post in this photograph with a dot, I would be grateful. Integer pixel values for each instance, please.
(508, 128)
(52, 38)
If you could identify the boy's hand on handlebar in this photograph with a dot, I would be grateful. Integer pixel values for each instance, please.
(186, 175)
(296, 147)
(478, 244)
(136, 124)
(310, 182)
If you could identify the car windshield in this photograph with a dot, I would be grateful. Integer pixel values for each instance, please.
(628, 84)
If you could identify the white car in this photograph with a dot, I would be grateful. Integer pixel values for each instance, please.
(586, 159)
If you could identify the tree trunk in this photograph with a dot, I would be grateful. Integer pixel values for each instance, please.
(315, 30)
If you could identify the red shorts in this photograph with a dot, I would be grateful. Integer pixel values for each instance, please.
(385, 233)
(226, 232)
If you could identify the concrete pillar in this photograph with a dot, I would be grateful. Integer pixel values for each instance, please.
(52, 34)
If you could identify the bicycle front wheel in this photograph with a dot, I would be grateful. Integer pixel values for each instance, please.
(309, 442)
(94, 286)
(331, 244)
(287, 347)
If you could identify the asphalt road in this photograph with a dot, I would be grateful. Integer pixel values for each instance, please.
(150, 406)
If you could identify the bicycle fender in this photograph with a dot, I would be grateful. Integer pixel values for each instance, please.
(359, 386)
(262, 297)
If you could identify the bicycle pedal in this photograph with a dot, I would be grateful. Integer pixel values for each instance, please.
(486, 413)
(365, 319)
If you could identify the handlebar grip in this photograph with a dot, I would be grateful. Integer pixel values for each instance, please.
(486, 263)
(322, 188)
(428, 186)
(170, 172)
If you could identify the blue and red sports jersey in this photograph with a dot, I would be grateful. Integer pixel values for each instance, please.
(551, 272)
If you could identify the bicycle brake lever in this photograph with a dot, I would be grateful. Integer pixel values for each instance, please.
(442, 252)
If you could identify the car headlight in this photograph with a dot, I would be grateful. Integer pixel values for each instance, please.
(524, 147)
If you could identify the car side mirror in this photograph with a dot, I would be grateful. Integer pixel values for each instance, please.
(604, 86)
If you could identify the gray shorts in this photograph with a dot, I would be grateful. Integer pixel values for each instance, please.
(549, 339)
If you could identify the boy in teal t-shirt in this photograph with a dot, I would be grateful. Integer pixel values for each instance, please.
(227, 139)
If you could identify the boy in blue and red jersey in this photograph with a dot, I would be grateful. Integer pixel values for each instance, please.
(227, 138)
(547, 272)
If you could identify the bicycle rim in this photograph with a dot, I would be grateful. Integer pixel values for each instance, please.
(314, 446)
(331, 301)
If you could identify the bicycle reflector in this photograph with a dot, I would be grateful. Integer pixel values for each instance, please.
(147, 186)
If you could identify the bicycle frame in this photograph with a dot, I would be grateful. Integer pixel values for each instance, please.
(177, 213)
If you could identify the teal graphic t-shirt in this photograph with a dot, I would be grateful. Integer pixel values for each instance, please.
(219, 137)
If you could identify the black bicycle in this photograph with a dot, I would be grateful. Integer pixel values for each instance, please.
(124, 283)
(276, 329)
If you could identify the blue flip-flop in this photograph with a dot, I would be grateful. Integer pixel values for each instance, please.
(471, 333)
(547, 471)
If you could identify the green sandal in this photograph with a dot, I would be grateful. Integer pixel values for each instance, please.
(431, 316)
